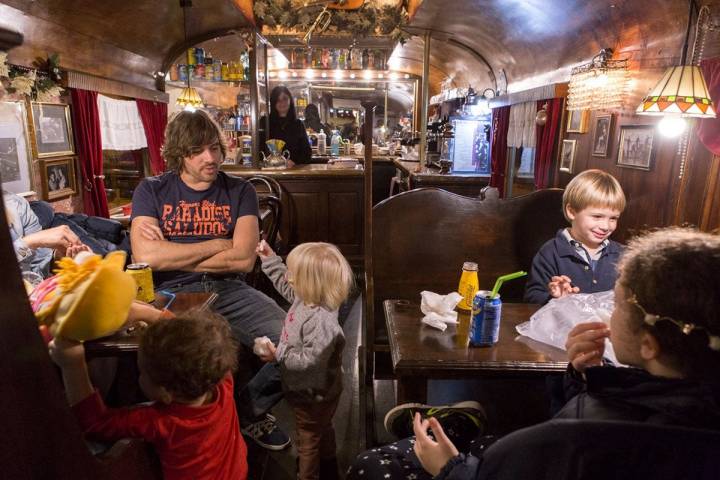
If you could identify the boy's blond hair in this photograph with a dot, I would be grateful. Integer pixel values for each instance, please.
(320, 275)
(593, 188)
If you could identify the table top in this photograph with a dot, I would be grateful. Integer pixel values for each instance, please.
(124, 342)
(418, 349)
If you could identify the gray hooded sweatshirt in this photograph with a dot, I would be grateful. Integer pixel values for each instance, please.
(309, 352)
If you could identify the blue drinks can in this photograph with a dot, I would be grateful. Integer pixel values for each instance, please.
(485, 320)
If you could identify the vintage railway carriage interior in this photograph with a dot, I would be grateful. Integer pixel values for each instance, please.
(439, 145)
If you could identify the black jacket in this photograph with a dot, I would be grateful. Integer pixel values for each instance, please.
(626, 394)
(292, 132)
(558, 257)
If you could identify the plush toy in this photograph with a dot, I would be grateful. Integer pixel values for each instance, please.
(88, 298)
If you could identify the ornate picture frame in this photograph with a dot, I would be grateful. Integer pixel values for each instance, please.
(16, 166)
(567, 155)
(50, 130)
(602, 135)
(636, 148)
(58, 178)
(577, 121)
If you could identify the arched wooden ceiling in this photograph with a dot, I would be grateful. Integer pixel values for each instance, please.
(521, 39)
(473, 40)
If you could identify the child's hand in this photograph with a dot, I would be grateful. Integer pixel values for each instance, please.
(73, 250)
(560, 286)
(585, 344)
(67, 353)
(264, 250)
(433, 454)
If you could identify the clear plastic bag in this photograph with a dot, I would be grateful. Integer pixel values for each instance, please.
(552, 323)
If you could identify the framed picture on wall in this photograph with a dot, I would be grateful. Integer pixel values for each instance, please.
(636, 146)
(58, 178)
(577, 121)
(602, 135)
(567, 155)
(15, 161)
(51, 130)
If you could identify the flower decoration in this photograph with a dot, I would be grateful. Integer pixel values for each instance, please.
(367, 20)
(40, 82)
(23, 84)
(4, 70)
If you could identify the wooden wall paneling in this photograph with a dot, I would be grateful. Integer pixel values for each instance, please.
(696, 187)
(345, 220)
(710, 219)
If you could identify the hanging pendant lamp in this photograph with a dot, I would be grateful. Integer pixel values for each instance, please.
(189, 97)
(682, 91)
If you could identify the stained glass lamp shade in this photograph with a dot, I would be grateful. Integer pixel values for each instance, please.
(681, 91)
(189, 97)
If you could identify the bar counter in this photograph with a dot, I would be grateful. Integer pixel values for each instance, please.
(319, 204)
(466, 184)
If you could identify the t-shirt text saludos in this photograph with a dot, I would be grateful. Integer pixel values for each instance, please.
(205, 218)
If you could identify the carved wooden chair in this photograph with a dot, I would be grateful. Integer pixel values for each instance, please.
(421, 239)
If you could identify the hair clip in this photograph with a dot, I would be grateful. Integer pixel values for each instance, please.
(686, 328)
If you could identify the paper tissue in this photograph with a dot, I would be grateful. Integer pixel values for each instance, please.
(439, 309)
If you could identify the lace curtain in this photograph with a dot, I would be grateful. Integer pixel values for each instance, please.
(120, 124)
(521, 130)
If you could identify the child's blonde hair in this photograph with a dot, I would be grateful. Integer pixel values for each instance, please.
(593, 188)
(320, 275)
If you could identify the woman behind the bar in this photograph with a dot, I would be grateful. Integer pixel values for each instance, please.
(285, 125)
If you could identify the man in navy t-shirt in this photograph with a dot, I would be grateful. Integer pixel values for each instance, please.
(197, 227)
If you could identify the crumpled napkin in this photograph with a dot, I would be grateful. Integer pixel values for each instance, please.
(439, 309)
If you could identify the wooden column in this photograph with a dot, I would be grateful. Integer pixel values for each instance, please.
(424, 100)
(367, 412)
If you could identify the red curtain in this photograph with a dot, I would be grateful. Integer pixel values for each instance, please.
(709, 129)
(498, 148)
(154, 119)
(545, 140)
(86, 125)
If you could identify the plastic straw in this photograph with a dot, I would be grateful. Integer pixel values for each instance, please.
(503, 279)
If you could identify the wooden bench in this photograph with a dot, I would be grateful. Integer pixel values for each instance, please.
(421, 238)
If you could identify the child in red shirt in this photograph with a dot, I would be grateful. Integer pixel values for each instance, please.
(186, 366)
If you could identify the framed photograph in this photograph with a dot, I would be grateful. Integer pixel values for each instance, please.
(15, 160)
(58, 178)
(602, 135)
(567, 155)
(51, 130)
(636, 146)
(577, 121)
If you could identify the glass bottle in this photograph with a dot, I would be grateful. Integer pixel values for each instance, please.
(469, 285)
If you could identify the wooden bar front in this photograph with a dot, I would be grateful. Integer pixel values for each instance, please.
(320, 204)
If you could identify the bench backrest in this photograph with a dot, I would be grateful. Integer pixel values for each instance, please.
(422, 237)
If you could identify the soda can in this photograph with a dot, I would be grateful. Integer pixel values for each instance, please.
(485, 320)
(182, 73)
(191, 58)
(142, 273)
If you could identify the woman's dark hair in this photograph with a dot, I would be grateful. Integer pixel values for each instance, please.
(275, 96)
(312, 117)
(673, 273)
(186, 133)
(190, 354)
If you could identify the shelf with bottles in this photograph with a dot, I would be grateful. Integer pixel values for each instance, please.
(337, 58)
(201, 66)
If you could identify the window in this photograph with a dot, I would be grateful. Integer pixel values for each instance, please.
(123, 171)
(527, 163)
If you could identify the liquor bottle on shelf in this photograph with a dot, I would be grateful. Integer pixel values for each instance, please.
(224, 72)
(365, 59)
(209, 67)
(245, 62)
(341, 59)
(334, 58)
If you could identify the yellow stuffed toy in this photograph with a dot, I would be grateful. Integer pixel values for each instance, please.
(89, 297)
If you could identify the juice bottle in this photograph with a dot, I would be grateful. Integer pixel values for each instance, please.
(469, 284)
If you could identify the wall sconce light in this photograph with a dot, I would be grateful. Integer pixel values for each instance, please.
(599, 85)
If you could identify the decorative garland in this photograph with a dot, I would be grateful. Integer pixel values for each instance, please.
(41, 83)
(367, 20)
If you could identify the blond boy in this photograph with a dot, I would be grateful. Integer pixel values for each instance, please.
(580, 258)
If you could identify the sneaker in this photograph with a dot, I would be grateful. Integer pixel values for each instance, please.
(461, 421)
(267, 434)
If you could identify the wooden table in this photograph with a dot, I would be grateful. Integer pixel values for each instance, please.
(123, 343)
(420, 352)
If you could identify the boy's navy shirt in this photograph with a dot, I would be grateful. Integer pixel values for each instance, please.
(558, 257)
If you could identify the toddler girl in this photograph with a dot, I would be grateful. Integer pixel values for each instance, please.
(317, 280)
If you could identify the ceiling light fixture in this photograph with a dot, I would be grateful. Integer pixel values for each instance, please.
(189, 98)
(599, 85)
